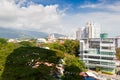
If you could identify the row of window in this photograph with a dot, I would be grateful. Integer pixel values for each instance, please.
(102, 63)
(107, 53)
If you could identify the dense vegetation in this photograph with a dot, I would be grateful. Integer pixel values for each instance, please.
(68, 46)
(73, 66)
(18, 61)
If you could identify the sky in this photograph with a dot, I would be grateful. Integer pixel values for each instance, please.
(60, 16)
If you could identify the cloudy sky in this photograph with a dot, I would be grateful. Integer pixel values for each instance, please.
(61, 16)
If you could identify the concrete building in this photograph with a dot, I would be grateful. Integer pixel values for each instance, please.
(51, 38)
(89, 31)
(39, 41)
(79, 34)
(98, 52)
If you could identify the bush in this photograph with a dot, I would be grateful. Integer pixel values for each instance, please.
(97, 69)
(105, 72)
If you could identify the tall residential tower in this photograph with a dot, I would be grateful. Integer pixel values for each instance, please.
(89, 31)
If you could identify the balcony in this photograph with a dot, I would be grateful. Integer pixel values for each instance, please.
(102, 55)
(107, 45)
(89, 59)
(101, 65)
(107, 60)
(107, 50)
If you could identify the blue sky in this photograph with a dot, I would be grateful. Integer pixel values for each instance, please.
(74, 5)
(63, 16)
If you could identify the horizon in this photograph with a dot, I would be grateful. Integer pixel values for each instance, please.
(63, 16)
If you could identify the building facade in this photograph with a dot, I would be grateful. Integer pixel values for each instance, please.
(98, 53)
(89, 31)
(79, 34)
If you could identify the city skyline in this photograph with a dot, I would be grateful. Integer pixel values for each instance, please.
(63, 16)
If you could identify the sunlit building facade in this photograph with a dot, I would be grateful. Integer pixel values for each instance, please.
(89, 31)
(98, 52)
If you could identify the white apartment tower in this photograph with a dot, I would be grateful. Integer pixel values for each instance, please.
(89, 31)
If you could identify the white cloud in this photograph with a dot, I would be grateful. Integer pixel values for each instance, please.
(34, 17)
(103, 5)
(91, 6)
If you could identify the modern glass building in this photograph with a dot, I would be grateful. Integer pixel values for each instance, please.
(98, 53)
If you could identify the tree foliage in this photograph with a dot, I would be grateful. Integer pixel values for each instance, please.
(19, 64)
(3, 41)
(73, 66)
(57, 46)
(26, 44)
(5, 50)
(17, 59)
(69, 46)
(118, 53)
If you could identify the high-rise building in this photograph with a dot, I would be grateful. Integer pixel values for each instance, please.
(89, 31)
(98, 53)
(79, 34)
(51, 38)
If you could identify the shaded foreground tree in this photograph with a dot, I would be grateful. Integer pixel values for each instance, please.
(31, 63)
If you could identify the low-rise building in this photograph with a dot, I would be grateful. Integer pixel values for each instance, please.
(98, 53)
(39, 41)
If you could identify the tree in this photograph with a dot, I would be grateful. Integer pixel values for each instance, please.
(5, 50)
(71, 46)
(118, 53)
(73, 66)
(26, 44)
(31, 63)
(59, 54)
(3, 41)
(57, 45)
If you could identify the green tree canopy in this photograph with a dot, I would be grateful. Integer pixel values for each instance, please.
(20, 64)
(57, 45)
(71, 46)
(26, 44)
(73, 66)
(3, 41)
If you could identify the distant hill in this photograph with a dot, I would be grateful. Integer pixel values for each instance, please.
(16, 33)
(57, 35)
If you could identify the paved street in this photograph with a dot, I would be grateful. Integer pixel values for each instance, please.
(105, 76)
